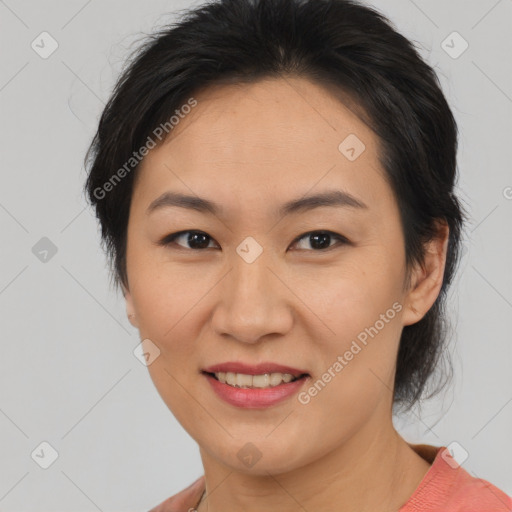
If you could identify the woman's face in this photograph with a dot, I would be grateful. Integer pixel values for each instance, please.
(260, 284)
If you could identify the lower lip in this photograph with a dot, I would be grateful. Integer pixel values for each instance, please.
(255, 398)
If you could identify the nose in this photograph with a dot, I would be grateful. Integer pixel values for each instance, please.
(254, 301)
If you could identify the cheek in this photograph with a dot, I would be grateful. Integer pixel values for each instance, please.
(165, 297)
(358, 314)
(352, 293)
(356, 362)
(170, 314)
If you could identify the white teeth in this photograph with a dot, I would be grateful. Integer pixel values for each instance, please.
(242, 380)
(261, 381)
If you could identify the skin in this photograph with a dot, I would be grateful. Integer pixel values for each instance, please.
(251, 148)
(184, 500)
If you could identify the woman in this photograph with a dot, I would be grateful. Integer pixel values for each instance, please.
(275, 185)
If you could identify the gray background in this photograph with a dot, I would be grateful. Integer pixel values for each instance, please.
(68, 375)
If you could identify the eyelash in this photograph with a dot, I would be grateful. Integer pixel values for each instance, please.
(169, 239)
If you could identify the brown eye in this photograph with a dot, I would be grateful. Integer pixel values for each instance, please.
(196, 240)
(321, 240)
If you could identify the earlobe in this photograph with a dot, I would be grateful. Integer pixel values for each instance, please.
(130, 309)
(427, 278)
(132, 319)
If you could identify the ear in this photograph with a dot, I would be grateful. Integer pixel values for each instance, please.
(130, 308)
(427, 279)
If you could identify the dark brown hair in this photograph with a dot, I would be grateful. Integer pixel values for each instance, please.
(338, 43)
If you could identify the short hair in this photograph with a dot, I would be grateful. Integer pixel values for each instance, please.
(340, 44)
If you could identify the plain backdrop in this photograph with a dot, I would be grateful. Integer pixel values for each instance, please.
(68, 375)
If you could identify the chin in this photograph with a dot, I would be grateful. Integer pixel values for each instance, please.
(261, 457)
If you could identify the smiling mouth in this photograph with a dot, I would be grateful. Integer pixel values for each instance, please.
(263, 381)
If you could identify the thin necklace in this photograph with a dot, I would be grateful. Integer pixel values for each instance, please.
(201, 500)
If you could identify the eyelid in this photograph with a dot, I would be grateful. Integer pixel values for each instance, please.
(169, 239)
(340, 238)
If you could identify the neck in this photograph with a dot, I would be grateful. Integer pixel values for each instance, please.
(375, 470)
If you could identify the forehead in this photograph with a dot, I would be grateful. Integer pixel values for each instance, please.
(272, 137)
(280, 114)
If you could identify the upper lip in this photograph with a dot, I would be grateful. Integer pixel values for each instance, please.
(254, 369)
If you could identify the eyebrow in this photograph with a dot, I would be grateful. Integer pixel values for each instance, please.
(333, 198)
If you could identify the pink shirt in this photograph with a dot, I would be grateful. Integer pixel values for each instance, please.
(446, 487)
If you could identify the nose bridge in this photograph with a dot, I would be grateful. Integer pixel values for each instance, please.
(252, 301)
(251, 278)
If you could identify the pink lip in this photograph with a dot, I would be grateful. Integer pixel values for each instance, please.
(258, 369)
(253, 398)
